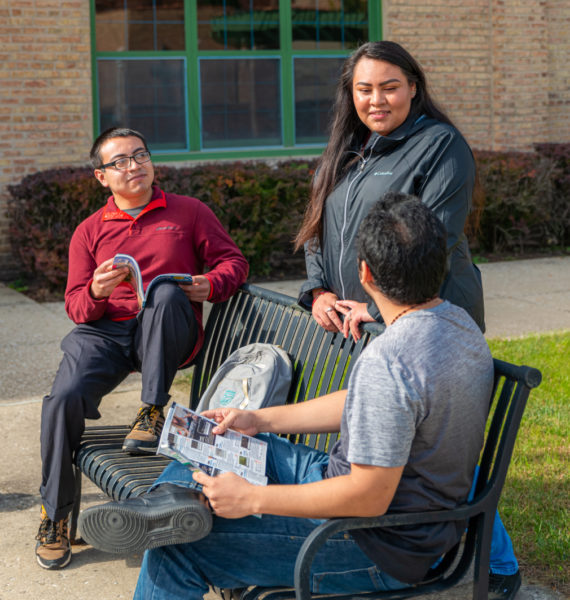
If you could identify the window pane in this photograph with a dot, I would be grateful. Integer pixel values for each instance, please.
(146, 95)
(140, 36)
(241, 103)
(139, 25)
(238, 24)
(315, 85)
(334, 24)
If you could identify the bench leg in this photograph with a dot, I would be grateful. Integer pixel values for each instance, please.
(482, 555)
(75, 510)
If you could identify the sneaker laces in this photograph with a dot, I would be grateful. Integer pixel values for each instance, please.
(149, 418)
(49, 532)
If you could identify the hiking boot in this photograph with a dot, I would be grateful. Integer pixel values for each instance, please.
(53, 550)
(145, 430)
(169, 514)
(504, 587)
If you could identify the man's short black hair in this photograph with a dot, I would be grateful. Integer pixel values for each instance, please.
(404, 245)
(112, 132)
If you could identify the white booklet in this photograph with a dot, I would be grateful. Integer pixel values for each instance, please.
(187, 437)
(134, 278)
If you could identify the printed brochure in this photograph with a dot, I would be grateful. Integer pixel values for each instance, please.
(187, 437)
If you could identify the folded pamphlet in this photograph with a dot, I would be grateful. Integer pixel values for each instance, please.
(135, 278)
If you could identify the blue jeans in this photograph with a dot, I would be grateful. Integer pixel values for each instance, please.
(258, 551)
(271, 544)
(502, 558)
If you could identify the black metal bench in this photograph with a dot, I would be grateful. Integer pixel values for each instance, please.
(322, 363)
(321, 360)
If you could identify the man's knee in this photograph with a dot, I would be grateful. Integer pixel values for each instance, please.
(169, 294)
(170, 307)
(168, 328)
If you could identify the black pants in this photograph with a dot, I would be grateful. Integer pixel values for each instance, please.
(97, 357)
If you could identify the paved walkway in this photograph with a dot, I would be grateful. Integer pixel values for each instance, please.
(522, 297)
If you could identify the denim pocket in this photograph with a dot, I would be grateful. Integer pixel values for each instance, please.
(367, 579)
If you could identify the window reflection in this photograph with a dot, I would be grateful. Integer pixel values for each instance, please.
(122, 25)
(315, 85)
(142, 75)
(329, 24)
(241, 103)
(147, 95)
(238, 24)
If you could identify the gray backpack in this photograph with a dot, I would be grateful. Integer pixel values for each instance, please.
(252, 377)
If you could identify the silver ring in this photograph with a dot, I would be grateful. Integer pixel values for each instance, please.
(349, 315)
(329, 309)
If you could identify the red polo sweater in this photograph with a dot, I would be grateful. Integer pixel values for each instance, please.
(173, 234)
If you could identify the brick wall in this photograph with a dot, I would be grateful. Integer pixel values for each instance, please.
(45, 93)
(457, 65)
(558, 19)
(499, 67)
(520, 73)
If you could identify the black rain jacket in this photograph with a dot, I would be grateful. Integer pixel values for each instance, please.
(424, 157)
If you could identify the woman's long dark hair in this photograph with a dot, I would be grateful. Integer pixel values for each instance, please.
(346, 127)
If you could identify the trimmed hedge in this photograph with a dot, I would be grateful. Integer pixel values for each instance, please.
(526, 202)
(43, 210)
(524, 206)
(260, 205)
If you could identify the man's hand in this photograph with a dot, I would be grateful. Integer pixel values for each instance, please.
(198, 290)
(244, 421)
(106, 279)
(354, 314)
(229, 495)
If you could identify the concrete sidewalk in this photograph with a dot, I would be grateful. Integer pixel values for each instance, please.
(521, 297)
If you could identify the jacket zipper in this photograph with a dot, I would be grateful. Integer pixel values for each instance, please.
(361, 166)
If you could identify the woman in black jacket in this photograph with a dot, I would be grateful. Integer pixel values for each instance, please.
(387, 134)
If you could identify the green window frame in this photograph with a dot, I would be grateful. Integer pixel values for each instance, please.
(191, 57)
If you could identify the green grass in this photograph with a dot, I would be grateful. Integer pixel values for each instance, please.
(477, 259)
(19, 285)
(535, 503)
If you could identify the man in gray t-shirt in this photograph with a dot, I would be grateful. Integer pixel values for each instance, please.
(411, 424)
(418, 397)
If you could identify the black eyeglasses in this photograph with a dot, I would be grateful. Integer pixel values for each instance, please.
(123, 163)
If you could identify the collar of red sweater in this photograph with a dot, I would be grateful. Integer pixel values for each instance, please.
(112, 211)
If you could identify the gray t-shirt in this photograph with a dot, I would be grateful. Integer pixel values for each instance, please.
(419, 397)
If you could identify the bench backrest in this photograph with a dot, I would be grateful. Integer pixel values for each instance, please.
(512, 386)
(322, 361)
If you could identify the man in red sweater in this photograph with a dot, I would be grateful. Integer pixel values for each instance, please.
(165, 233)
